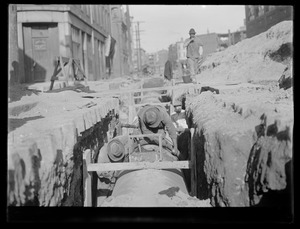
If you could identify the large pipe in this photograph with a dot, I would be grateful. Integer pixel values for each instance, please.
(143, 187)
(149, 181)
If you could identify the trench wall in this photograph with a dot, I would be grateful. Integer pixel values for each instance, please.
(243, 153)
(45, 169)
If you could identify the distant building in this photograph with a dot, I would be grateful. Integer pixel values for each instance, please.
(259, 18)
(212, 42)
(181, 50)
(120, 30)
(143, 59)
(162, 59)
(48, 31)
(152, 61)
(231, 38)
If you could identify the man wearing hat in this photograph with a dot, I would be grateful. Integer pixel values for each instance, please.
(193, 45)
(113, 151)
(155, 119)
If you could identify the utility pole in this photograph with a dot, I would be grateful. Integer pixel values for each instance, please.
(138, 44)
(137, 48)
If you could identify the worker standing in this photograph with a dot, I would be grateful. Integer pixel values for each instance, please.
(155, 119)
(193, 45)
(178, 118)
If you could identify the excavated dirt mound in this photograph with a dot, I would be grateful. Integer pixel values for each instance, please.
(260, 58)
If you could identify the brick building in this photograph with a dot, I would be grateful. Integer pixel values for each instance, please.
(259, 18)
(48, 31)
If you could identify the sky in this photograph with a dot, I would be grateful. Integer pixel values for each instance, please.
(162, 25)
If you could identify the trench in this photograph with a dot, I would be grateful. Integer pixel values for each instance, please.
(92, 139)
(214, 178)
(263, 171)
(105, 188)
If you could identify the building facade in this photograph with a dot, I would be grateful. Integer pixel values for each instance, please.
(120, 30)
(259, 18)
(48, 31)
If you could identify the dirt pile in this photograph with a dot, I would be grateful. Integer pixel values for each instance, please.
(260, 58)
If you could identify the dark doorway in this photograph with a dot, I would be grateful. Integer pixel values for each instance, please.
(41, 46)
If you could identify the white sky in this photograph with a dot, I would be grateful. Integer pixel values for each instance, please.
(166, 24)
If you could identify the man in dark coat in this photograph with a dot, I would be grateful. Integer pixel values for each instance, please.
(168, 73)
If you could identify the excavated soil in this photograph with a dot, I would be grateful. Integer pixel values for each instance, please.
(260, 58)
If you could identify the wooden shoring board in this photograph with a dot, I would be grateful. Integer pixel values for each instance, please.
(100, 167)
(193, 166)
(62, 66)
(54, 76)
(87, 179)
(143, 135)
(147, 96)
(125, 91)
(143, 104)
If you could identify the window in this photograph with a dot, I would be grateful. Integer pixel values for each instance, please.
(88, 10)
(94, 8)
(104, 20)
(100, 15)
(76, 43)
(251, 13)
(75, 34)
(261, 10)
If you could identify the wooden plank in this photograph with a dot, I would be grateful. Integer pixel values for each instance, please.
(193, 166)
(62, 67)
(70, 62)
(138, 165)
(160, 148)
(54, 76)
(143, 104)
(124, 91)
(148, 96)
(172, 97)
(143, 135)
(87, 175)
